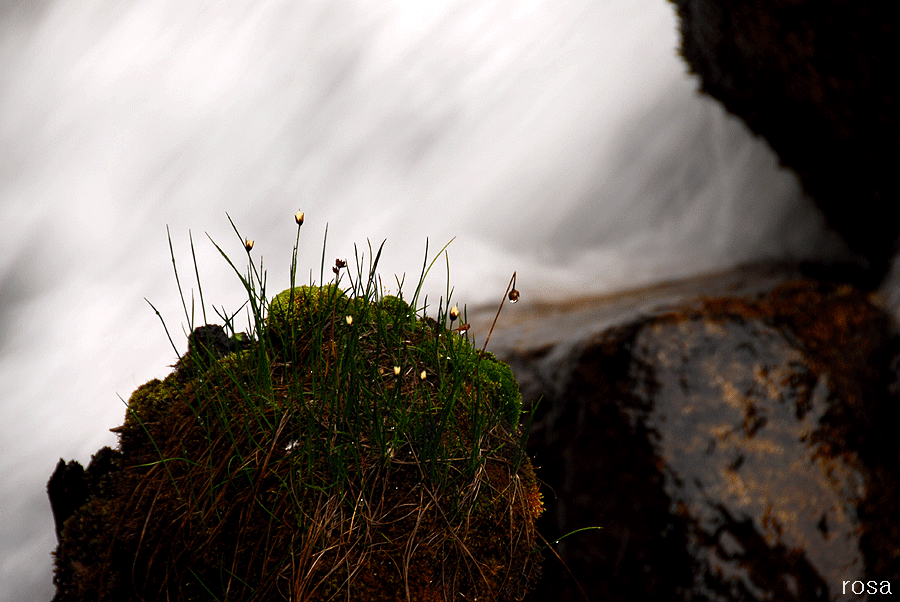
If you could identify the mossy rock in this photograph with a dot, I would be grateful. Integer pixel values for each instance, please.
(375, 458)
(295, 311)
(501, 385)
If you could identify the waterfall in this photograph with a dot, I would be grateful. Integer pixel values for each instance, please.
(562, 140)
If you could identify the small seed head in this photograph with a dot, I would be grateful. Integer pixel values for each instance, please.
(248, 244)
(454, 313)
(513, 296)
(298, 217)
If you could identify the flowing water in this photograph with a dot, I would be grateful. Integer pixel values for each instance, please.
(563, 140)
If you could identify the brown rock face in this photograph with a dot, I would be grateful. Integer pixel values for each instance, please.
(818, 80)
(737, 447)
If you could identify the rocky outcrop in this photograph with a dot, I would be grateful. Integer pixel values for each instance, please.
(351, 449)
(732, 436)
(818, 80)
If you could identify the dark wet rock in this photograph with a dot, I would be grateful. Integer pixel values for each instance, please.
(77, 497)
(70, 486)
(67, 491)
(208, 343)
(817, 79)
(733, 435)
(212, 339)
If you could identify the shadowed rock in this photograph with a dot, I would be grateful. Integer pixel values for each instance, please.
(732, 435)
(67, 491)
(817, 79)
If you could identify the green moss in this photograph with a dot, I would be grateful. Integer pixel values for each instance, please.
(307, 444)
(499, 383)
(149, 402)
(308, 302)
(235, 363)
(395, 307)
(299, 309)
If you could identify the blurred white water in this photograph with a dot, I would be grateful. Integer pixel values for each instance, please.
(562, 140)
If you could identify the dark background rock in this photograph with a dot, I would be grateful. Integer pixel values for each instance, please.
(733, 435)
(818, 80)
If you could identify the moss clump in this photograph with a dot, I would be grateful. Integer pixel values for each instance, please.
(497, 378)
(373, 458)
(396, 307)
(301, 308)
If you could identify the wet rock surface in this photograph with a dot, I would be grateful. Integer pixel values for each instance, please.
(733, 435)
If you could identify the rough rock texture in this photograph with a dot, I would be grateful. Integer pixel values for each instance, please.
(351, 450)
(817, 79)
(734, 437)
